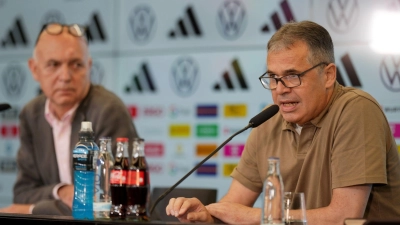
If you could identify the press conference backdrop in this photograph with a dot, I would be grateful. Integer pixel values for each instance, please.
(187, 70)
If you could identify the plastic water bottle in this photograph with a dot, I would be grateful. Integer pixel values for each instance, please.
(102, 195)
(272, 202)
(84, 156)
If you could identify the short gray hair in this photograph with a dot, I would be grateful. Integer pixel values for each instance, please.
(315, 36)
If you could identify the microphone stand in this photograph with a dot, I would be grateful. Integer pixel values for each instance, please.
(197, 166)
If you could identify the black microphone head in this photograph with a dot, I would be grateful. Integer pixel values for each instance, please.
(264, 116)
(4, 106)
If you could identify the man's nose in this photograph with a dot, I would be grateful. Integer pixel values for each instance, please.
(65, 73)
(280, 87)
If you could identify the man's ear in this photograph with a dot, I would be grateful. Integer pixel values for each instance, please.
(33, 68)
(330, 74)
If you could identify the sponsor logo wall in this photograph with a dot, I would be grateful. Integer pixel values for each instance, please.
(187, 71)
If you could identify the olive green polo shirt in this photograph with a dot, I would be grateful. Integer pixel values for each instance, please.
(349, 143)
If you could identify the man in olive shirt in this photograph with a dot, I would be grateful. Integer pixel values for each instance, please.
(334, 142)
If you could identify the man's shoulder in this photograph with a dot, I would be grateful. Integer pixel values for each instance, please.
(99, 91)
(100, 96)
(349, 94)
(35, 104)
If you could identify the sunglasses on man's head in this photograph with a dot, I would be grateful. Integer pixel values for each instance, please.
(76, 30)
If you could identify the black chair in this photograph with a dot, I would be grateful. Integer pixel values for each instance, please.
(206, 196)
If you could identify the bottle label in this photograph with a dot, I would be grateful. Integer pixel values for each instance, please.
(84, 159)
(101, 206)
(136, 178)
(118, 177)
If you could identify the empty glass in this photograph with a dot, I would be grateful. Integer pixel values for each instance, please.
(295, 208)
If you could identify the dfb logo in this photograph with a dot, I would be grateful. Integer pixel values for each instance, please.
(231, 19)
(13, 81)
(185, 76)
(53, 16)
(141, 24)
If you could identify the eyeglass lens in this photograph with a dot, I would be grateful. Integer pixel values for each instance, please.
(287, 81)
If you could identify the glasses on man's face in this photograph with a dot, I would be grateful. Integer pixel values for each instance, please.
(57, 28)
(270, 81)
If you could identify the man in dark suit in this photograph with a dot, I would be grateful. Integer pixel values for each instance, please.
(49, 124)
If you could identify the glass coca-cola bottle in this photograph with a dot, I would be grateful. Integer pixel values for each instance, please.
(138, 184)
(118, 180)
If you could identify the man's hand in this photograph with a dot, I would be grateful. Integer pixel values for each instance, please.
(17, 208)
(66, 194)
(234, 213)
(188, 210)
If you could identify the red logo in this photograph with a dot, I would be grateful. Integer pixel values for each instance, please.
(153, 149)
(153, 111)
(155, 168)
(9, 131)
(133, 111)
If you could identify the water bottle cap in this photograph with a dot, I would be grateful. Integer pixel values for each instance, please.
(105, 138)
(86, 126)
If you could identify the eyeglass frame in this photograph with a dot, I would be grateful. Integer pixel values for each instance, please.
(45, 26)
(280, 79)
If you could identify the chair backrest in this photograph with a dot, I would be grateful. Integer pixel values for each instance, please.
(206, 196)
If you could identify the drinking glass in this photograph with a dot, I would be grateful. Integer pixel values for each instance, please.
(295, 208)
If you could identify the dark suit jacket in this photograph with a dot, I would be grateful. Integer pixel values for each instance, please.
(36, 157)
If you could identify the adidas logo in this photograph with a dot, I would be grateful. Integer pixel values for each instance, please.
(287, 12)
(350, 71)
(187, 26)
(15, 36)
(95, 30)
(141, 82)
(229, 83)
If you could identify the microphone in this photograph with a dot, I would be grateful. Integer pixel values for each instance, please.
(264, 116)
(254, 122)
(4, 106)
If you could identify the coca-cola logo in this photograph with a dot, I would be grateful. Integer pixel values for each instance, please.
(118, 177)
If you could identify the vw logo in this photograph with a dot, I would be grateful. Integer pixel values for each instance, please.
(13, 80)
(141, 24)
(342, 15)
(231, 19)
(185, 76)
(390, 73)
